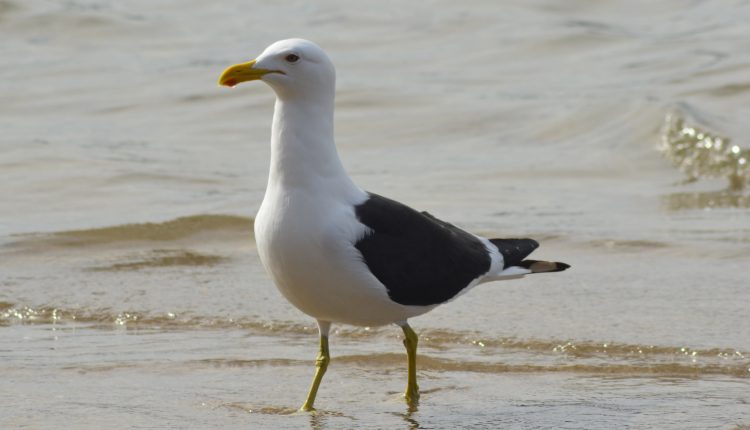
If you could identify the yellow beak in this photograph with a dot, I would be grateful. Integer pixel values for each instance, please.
(233, 75)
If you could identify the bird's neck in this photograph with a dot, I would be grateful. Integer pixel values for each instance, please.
(303, 152)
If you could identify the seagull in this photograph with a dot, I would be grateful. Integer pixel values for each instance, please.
(341, 254)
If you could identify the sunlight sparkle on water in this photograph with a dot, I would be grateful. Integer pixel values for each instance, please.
(700, 153)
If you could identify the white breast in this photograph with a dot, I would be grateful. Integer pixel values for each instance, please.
(306, 229)
(307, 246)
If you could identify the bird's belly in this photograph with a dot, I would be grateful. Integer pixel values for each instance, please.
(317, 268)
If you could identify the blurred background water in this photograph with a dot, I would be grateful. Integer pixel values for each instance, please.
(131, 294)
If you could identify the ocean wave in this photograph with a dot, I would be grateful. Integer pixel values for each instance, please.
(428, 362)
(701, 153)
(163, 258)
(172, 230)
(575, 356)
(706, 200)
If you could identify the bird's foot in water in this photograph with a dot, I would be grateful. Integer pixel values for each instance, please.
(411, 395)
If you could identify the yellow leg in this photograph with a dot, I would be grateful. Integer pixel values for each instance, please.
(410, 342)
(321, 365)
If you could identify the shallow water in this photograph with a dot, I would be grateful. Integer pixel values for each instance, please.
(131, 294)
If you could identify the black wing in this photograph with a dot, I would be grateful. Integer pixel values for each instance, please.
(420, 259)
(514, 250)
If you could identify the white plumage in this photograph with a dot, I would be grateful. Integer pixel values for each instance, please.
(337, 252)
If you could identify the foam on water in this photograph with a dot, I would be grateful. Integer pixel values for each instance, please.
(700, 153)
(521, 355)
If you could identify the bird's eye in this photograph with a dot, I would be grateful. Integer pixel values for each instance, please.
(292, 58)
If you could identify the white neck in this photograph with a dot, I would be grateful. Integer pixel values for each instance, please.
(303, 152)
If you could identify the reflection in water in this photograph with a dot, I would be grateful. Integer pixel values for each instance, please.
(707, 200)
(700, 153)
(413, 407)
(317, 421)
(409, 416)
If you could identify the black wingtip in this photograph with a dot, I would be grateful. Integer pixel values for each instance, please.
(562, 266)
(514, 250)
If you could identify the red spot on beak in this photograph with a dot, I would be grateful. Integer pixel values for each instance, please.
(230, 82)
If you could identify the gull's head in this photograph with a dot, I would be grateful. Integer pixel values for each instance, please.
(292, 67)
